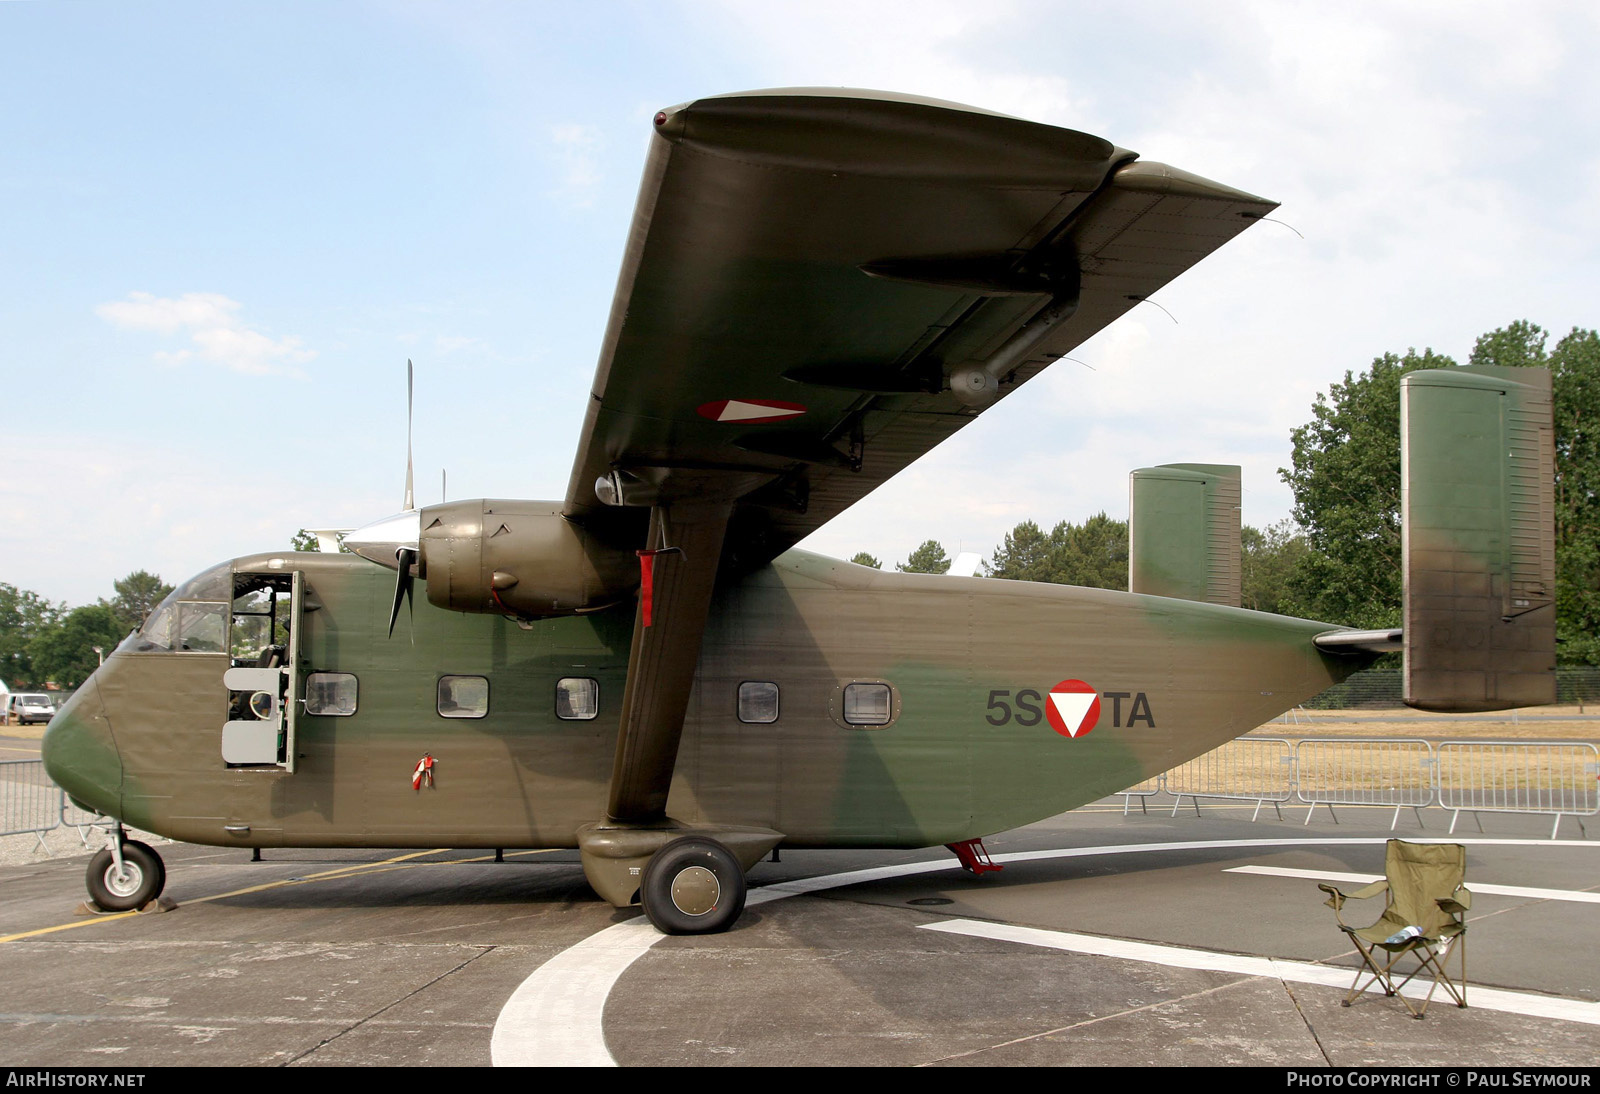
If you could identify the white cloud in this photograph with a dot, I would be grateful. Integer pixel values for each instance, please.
(216, 333)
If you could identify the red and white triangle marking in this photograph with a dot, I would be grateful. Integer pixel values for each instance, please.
(1074, 708)
(749, 411)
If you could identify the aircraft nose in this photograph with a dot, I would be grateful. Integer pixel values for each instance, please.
(80, 753)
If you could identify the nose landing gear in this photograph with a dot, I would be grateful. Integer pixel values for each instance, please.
(125, 876)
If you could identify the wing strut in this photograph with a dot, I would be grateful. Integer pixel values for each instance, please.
(662, 661)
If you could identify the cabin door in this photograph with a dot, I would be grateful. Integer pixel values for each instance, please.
(263, 680)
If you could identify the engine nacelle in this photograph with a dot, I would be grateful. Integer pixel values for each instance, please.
(519, 557)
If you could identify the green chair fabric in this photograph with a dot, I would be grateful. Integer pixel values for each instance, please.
(1424, 919)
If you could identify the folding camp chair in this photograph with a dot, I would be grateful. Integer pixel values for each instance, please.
(1424, 918)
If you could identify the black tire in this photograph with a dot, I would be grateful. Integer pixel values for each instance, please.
(145, 878)
(693, 886)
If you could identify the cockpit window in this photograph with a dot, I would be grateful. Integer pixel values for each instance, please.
(192, 617)
(201, 626)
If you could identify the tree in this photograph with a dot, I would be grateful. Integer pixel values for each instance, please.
(1268, 559)
(927, 559)
(1346, 482)
(137, 596)
(65, 654)
(1024, 556)
(1093, 554)
(24, 616)
(861, 558)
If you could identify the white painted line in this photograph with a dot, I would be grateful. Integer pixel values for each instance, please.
(553, 1019)
(1578, 896)
(1299, 972)
(555, 1015)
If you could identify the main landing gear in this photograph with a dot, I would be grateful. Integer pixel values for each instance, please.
(692, 886)
(126, 875)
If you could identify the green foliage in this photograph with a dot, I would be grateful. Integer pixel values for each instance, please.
(1093, 554)
(41, 642)
(1268, 559)
(1346, 483)
(137, 596)
(861, 558)
(24, 616)
(927, 559)
(65, 654)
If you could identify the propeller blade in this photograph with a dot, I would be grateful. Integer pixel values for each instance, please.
(411, 502)
(404, 557)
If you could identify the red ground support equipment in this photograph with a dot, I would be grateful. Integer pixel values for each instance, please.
(974, 859)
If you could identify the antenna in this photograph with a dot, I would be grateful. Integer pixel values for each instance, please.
(444, 485)
(411, 502)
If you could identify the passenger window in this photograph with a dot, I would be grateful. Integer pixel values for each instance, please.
(867, 704)
(758, 702)
(331, 693)
(577, 698)
(463, 696)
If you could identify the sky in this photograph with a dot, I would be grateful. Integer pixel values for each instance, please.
(224, 228)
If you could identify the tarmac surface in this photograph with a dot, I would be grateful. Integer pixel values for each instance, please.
(1105, 941)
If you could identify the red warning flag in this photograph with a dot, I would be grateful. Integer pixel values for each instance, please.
(647, 570)
(423, 773)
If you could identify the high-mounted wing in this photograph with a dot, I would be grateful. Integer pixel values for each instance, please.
(822, 285)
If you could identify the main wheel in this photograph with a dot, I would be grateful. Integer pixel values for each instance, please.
(141, 881)
(693, 886)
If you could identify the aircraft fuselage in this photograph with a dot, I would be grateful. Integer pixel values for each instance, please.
(970, 747)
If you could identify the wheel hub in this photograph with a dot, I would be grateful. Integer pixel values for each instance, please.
(695, 890)
(126, 883)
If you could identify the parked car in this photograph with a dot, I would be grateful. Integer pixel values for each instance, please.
(29, 707)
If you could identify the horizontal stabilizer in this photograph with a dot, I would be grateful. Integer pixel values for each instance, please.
(1361, 642)
(1478, 518)
(1183, 532)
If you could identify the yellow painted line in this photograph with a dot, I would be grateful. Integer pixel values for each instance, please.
(30, 751)
(67, 926)
(326, 875)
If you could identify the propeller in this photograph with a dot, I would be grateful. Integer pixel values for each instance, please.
(410, 500)
(398, 537)
(405, 557)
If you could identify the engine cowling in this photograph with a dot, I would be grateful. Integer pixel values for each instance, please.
(520, 558)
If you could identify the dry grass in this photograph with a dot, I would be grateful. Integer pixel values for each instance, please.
(1555, 723)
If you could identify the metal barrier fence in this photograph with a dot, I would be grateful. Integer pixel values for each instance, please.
(29, 801)
(1519, 777)
(1529, 777)
(30, 804)
(1258, 769)
(1386, 771)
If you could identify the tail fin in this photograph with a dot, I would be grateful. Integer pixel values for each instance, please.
(1478, 519)
(1183, 532)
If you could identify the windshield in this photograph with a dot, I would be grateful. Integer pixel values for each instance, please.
(193, 616)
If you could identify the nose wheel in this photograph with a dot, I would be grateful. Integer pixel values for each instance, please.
(692, 886)
(126, 881)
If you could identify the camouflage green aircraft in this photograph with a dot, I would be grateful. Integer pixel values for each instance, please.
(819, 286)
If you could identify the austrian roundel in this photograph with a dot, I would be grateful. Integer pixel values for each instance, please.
(1073, 708)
